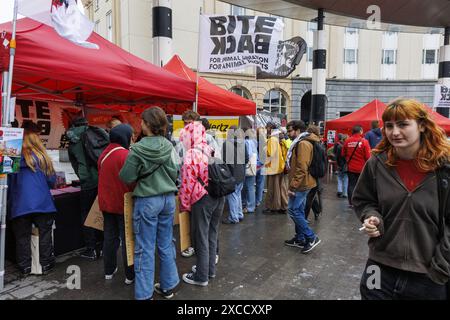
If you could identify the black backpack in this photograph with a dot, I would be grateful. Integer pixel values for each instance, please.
(220, 179)
(94, 141)
(318, 167)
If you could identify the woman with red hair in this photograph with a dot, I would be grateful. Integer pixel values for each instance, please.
(396, 199)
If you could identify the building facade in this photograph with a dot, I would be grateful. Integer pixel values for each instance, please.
(361, 64)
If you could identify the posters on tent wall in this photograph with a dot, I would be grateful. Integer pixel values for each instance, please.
(441, 96)
(53, 119)
(100, 117)
(11, 140)
(331, 135)
(229, 43)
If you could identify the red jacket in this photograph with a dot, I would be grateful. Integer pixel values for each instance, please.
(110, 188)
(361, 155)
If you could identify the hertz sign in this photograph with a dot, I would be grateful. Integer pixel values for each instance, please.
(220, 124)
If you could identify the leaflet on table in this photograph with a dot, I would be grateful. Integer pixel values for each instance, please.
(56, 192)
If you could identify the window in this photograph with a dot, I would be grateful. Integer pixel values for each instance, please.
(390, 33)
(350, 55)
(309, 54)
(429, 56)
(109, 26)
(97, 25)
(389, 57)
(344, 113)
(241, 92)
(237, 11)
(351, 30)
(275, 101)
(312, 26)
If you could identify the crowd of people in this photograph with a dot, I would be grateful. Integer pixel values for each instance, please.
(389, 176)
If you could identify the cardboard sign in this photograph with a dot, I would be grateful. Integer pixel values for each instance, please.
(95, 217)
(185, 230)
(179, 218)
(128, 206)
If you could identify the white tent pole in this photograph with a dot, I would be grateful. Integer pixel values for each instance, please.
(198, 63)
(7, 86)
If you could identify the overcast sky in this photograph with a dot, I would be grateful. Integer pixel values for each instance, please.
(6, 10)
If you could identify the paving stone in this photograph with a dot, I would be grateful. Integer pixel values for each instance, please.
(254, 264)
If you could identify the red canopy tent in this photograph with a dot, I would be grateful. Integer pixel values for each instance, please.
(363, 116)
(374, 111)
(441, 121)
(49, 67)
(212, 100)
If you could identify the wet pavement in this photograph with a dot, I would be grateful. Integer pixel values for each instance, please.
(254, 264)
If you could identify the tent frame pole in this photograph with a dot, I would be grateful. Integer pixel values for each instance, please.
(6, 86)
(195, 109)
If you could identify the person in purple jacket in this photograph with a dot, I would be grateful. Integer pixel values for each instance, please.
(374, 136)
(30, 202)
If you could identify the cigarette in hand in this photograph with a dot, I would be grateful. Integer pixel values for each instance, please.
(362, 228)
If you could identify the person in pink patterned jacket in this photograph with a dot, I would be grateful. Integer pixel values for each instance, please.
(205, 210)
(193, 138)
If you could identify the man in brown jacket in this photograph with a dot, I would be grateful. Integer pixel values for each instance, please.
(298, 161)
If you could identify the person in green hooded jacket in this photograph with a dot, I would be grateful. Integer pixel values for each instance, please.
(153, 165)
(88, 175)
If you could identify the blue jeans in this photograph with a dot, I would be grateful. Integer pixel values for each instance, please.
(260, 179)
(296, 210)
(235, 203)
(342, 180)
(153, 223)
(248, 193)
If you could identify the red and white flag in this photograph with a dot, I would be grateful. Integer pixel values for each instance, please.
(63, 15)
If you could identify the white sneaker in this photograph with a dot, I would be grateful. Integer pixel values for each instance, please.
(110, 276)
(129, 281)
(189, 278)
(217, 258)
(189, 252)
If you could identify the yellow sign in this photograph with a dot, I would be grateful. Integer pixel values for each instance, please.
(220, 124)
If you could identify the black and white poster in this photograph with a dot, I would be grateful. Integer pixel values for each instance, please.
(289, 55)
(441, 96)
(229, 43)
